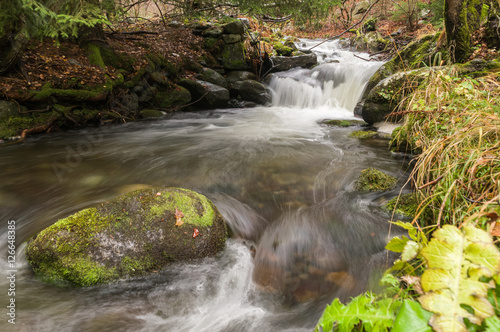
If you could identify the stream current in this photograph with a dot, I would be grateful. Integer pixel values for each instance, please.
(301, 234)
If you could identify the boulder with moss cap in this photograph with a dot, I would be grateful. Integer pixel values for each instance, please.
(372, 179)
(133, 235)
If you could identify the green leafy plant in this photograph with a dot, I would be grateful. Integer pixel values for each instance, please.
(366, 311)
(460, 264)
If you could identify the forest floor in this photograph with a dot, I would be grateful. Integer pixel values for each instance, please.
(64, 64)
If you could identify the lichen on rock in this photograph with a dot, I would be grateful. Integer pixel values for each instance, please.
(132, 235)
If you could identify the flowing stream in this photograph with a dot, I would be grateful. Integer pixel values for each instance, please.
(284, 182)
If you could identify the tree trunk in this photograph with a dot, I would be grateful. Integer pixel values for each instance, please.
(462, 19)
(12, 46)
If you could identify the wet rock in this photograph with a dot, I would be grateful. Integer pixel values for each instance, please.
(233, 57)
(213, 32)
(236, 27)
(251, 91)
(209, 95)
(235, 103)
(211, 76)
(174, 97)
(383, 99)
(284, 63)
(238, 75)
(133, 235)
(372, 179)
(231, 39)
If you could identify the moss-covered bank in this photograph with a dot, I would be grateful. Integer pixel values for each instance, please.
(133, 235)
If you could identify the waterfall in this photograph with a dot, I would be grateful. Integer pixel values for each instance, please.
(337, 82)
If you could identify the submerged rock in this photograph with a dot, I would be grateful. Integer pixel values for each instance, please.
(372, 179)
(136, 234)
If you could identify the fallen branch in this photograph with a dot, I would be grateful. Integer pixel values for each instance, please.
(38, 129)
(431, 183)
(266, 18)
(348, 29)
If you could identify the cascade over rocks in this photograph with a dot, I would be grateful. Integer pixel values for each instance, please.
(133, 235)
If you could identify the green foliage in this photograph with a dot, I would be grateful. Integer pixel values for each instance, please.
(457, 261)
(365, 312)
(302, 11)
(50, 18)
(454, 123)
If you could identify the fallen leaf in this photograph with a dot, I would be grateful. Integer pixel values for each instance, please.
(196, 232)
(178, 217)
(495, 230)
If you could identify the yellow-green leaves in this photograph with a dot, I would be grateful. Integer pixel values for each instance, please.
(457, 260)
(364, 311)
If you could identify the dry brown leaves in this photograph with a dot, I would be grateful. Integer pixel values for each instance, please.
(65, 65)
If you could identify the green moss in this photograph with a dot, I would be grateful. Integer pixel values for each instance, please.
(344, 123)
(130, 236)
(372, 179)
(282, 49)
(176, 96)
(362, 134)
(405, 205)
(105, 56)
(150, 113)
(93, 94)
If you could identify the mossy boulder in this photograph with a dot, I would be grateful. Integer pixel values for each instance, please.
(362, 134)
(235, 27)
(419, 53)
(206, 95)
(284, 63)
(239, 75)
(371, 41)
(211, 76)
(344, 123)
(151, 113)
(174, 97)
(405, 205)
(250, 90)
(388, 94)
(371, 179)
(233, 57)
(133, 235)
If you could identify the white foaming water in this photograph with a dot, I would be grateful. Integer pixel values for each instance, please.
(214, 298)
(337, 82)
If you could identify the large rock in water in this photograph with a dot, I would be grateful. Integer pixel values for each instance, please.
(133, 235)
(284, 63)
(206, 95)
(387, 95)
(253, 91)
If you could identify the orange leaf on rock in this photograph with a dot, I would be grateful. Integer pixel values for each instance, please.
(196, 232)
(178, 217)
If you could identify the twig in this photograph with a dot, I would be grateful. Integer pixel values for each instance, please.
(431, 183)
(347, 30)
(357, 56)
(266, 18)
(185, 105)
